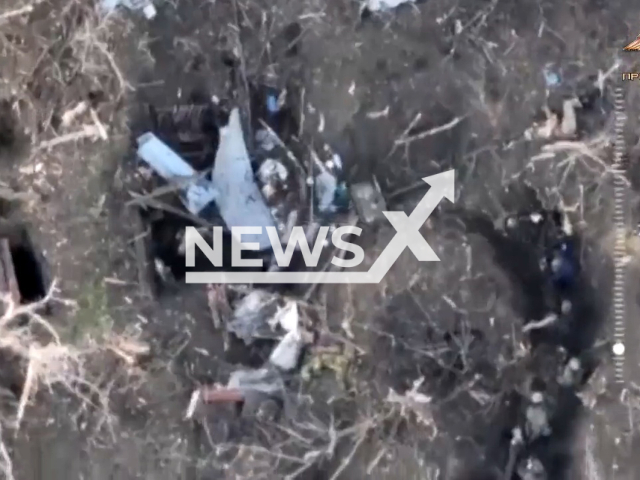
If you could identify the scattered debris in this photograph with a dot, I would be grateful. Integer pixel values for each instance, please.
(555, 126)
(130, 349)
(369, 201)
(286, 317)
(69, 116)
(244, 386)
(102, 130)
(265, 380)
(544, 129)
(258, 315)
(551, 78)
(16, 13)
(265, 139)
(87, 131)
(287, 353)
(271, 170)
(416, 402)
(273, 176)
(384, 5)
(253, 387)
(411, 397)
(250, 388)
(378, 114)
(197, 191)
(147, 7)
(335, 358)
(331, 194)
(251, 316)
(569, 124)
(406, 138)
(239, 199)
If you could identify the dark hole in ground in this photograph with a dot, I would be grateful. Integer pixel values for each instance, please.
(96, 97)
(292, 34)
(251, 356)
(164, 241)
(32, 277)
(229, 59)
(12, 139)
(7, 125)
(30, 268)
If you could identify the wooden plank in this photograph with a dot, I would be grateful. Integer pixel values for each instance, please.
(8, 280)
(143, 258)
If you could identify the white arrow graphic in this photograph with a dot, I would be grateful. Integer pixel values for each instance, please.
(407, 236)
(408, 228)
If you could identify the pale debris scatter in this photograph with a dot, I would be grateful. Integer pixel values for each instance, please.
(416, 402)
(69, 116)
(147, 7)
(258, 315)
(555, 128)
(551, 78)
(272, 169)
(251, 315)
(384, 5)
(368, 201)
(256, 387)
(265, 139)
(273, 175)
(265, 380)
(286, 354)
(197, 191)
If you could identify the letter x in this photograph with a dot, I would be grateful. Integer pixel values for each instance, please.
(408, 228)
(408, 232)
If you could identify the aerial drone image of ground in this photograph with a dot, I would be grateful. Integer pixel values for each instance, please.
(123, 122)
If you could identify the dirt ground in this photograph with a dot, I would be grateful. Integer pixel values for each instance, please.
(356, 82)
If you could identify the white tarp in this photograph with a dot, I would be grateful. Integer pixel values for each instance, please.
(239, 201)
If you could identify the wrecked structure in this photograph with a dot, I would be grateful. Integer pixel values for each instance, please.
(268, 187)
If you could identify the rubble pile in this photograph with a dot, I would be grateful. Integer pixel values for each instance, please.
(219, 172)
